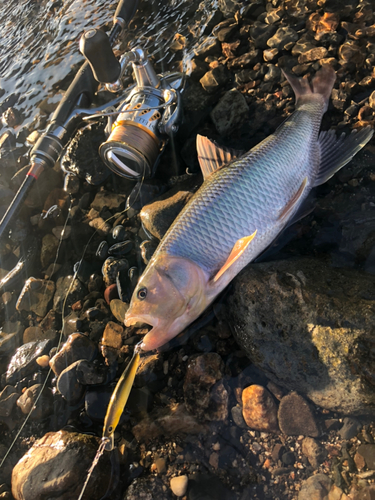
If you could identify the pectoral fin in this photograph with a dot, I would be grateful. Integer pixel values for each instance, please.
(238, 249)
(292, 203)
(211, 157)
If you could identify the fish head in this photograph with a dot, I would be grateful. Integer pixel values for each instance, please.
(169, 296)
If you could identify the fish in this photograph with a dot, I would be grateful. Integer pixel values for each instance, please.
(119, 399)
(244, 203)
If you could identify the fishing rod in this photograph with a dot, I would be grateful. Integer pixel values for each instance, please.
(101, 63)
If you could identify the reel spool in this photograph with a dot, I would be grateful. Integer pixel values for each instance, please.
(135, 143)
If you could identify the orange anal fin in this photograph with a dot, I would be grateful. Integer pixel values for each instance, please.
(286, 211)
(238, 249)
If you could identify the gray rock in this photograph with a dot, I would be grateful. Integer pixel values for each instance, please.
(230, 112)
(315, 488)
(296, 417)
(204, 393)
(314, 54)
(35, 296)
(111, 267)
(314, 451)
(23, 362)
(350, 428)
(210, 47)
(69, 386)
(159, 215)
(308, 326)
(64, 458)
(214, 79)
(282, 38)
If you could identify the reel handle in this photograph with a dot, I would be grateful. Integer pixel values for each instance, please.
(96, 48)
(125, 11)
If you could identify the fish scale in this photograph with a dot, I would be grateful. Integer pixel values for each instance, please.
(231, 203)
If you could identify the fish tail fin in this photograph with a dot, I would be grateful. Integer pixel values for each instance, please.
(321, 84)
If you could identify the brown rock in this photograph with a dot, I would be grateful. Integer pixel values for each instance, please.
(111, 293)
(118, 309)
(35, 296)
(56, 467)
(296, 417)
(8, 398)
(27, 401)
(32, 333)
(367, 453)
(327, 22)
(259, 409)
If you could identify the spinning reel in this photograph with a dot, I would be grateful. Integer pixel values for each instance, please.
(148, 115)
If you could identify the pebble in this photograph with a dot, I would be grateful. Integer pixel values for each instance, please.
(283, 38)
(314, 54)
(315, 488)
(121, 248)
(214, 79)
(111, 342)
(111, 267)
(259, 409)
(111, 293)
(179, 485)
(366, 455)
(43, 361)
(296, 417)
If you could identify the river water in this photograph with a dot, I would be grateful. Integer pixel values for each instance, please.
(39, 53)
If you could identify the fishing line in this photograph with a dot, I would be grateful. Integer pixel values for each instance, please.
(64, 307)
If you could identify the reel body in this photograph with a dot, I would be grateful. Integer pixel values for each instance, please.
(140, 126)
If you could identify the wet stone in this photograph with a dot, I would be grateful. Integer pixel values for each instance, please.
(261, 33)
(314, 54)
(10, 336)
(77, 347)
(237, 417)
(296, 417)
(23, 362)
(315, 488)
(230, 112)
(42, 409)
(259, 409)
(35, 296)
(66, 290)
(149, 371)
(32, 333)
(68, 385)
(282, 38)
(159, 215)
(204, 393)
(121, 248)
(214, 79)
(111, 267)
(151, 488)
(8, 398)
(210, 46)
(245, 61)
(74, 453)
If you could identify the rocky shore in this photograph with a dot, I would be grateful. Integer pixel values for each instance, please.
(271, 394)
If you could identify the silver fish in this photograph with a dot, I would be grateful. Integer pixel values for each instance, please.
(243, 204)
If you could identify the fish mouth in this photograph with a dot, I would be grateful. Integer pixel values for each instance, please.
(160, 333)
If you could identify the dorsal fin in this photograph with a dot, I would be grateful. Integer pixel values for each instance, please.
(211, 157)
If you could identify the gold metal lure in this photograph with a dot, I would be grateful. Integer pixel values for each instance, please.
(119, 399)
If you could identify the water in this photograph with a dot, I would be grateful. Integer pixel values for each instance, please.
(39, 54)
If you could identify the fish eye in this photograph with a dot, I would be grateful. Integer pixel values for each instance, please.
(110, 429)
(142, 293)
